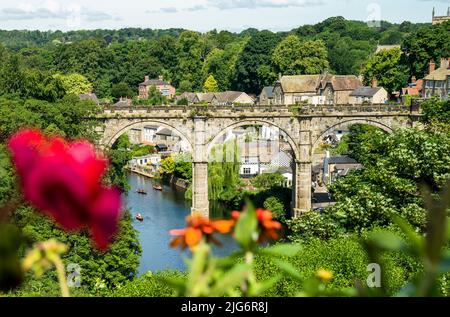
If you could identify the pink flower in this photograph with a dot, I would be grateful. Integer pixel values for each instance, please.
(63, 180)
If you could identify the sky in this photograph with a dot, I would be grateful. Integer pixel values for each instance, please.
(205, 15)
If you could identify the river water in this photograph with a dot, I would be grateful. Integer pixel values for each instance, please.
(163, 211)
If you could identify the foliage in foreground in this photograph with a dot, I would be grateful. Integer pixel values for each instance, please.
(109, 269)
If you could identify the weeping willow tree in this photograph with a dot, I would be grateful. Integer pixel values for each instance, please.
(223, 169)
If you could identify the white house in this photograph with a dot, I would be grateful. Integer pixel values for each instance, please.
(150, 133)
(146, 160)
(249, 166)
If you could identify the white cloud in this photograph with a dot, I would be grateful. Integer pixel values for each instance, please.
(238, 4)
(51, 9)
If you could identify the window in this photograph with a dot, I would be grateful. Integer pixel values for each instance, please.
(247, 170)
(246, 159)
(429, 84)
(439, 84)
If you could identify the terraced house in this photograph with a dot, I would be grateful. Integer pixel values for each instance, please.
(437, 82)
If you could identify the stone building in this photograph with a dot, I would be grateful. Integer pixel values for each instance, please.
(89, 96)
(337, 89)
(336, 166)
(164, 87)
(291, 90)
(437, 82)
(414, 88)
(226, 98)
(315, 89)
(441, 19)
(266, 96)
(123, 102)
(191, 97)
(370, 95)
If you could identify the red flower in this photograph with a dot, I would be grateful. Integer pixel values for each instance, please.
(267, 226)
(63, 180)
(197, 227)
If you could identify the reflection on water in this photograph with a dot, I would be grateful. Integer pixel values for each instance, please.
(163, 211)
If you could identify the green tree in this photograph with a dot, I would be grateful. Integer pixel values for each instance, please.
(183, 166)
(221, 63)
(295, 57)
(347, 56)
(168, 165)
(386, 67)
(268, 180)
(11, 75)
(189, 49)
(210, 84)
(121, 89)
(430, 42)
(253, 68)
(276, 206)
(74, 83)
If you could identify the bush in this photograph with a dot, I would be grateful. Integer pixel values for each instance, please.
(312, 225)
(276, 206)
(148, 285)
(345, 258)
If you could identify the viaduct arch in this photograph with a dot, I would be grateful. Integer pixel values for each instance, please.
(203, 126)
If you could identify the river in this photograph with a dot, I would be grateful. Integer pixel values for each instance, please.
(163, 211)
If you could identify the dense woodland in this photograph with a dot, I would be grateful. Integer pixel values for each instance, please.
(115, 62)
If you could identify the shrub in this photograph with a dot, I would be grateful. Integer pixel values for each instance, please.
(148, 285)
(345, 258)
(312, 225)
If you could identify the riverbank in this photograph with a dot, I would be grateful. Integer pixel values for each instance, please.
(172, 179)
(140, 172)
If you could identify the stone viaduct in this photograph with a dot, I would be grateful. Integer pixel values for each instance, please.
(203, 126)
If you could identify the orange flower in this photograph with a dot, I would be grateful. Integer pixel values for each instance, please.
(267, 226)
(197, 227)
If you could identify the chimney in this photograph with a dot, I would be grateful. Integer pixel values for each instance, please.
(374, 83)
(147, 78)
(432, 67)
(413, 79)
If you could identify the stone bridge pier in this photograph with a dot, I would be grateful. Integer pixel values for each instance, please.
(200, 201)
(302, 184)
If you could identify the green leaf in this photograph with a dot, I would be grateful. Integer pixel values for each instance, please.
(246, 231)
(288, 250)
(437, 223)
(260, 288)
(231, 279)
(416, 240)
(444, 266)
(386, 241)
(179, 284)
(198, 262)
(289, 269)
